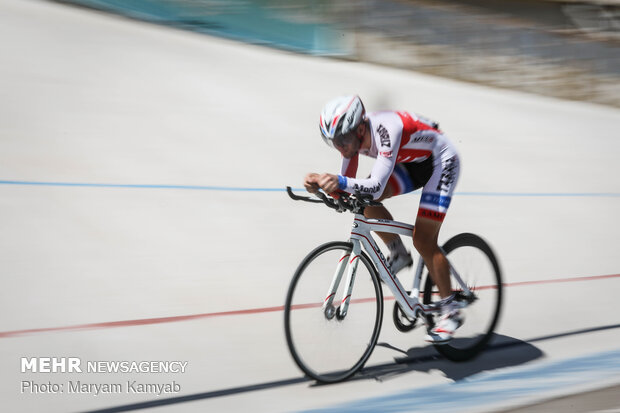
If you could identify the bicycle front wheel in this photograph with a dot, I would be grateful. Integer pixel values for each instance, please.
(477, 266)
(326, 345)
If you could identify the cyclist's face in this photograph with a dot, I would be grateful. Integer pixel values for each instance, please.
(347, 144)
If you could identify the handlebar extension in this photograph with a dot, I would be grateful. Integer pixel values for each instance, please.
(344, 202)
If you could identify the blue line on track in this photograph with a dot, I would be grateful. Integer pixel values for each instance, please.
(542, 194)
(258, 189)
(141, 186)
(495, 388)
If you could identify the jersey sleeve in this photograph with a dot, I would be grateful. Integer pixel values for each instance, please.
(387, 137)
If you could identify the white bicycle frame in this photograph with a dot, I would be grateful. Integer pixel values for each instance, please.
(361, 237)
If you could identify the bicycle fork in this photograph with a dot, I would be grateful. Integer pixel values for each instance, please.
(348, 261)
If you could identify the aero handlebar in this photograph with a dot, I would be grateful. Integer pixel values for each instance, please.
(342, 202)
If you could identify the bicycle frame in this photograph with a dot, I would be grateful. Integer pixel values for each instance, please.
(361, 237)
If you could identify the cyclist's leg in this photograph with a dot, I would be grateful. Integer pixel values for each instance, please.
(399, 257)
(434, 203)
(398, 183)
(425, 235)
(405, 178)
(381, 212)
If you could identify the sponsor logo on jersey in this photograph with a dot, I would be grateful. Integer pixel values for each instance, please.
(367, 189)
(448, 174)
(434, 215)
(425, 139)
(384, 135)
(423, 136)
(386, 154)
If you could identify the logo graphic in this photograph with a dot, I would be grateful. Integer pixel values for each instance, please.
(384, 135)
(447, 174)
(366, 189)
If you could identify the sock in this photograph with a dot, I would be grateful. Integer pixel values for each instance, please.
(397, 247)
(448, 305)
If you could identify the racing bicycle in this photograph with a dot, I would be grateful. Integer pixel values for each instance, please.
(334, 306)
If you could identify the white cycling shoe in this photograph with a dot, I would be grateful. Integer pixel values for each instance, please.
(399, 261)
(445, 328)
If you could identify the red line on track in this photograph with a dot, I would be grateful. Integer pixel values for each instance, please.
(562, 280)
(144, 321)
(174, 319)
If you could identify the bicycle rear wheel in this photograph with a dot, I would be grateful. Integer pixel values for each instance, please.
(326, 346)
(476, 264)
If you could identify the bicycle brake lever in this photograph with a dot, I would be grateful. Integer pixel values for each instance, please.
(327, 201)
(342, 202)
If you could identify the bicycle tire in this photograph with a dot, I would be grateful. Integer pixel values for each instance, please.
(471, 347)
(289, 307)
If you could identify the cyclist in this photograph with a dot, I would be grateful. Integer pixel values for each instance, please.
(411, 152)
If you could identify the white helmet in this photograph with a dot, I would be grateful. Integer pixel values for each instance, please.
(340, 116)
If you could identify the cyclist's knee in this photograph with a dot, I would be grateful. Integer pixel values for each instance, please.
(425, 237)
(425, 246)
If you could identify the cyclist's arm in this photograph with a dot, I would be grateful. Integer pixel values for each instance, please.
(388, 143)
(375, 183)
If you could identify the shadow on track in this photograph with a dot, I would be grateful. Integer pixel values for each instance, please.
(502, 352)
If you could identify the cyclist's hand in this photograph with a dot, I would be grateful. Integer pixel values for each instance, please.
(328, 182)
(311, 183)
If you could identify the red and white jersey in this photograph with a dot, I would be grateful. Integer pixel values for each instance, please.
(396, 137)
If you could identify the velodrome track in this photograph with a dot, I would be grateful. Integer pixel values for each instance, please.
(142, 218)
